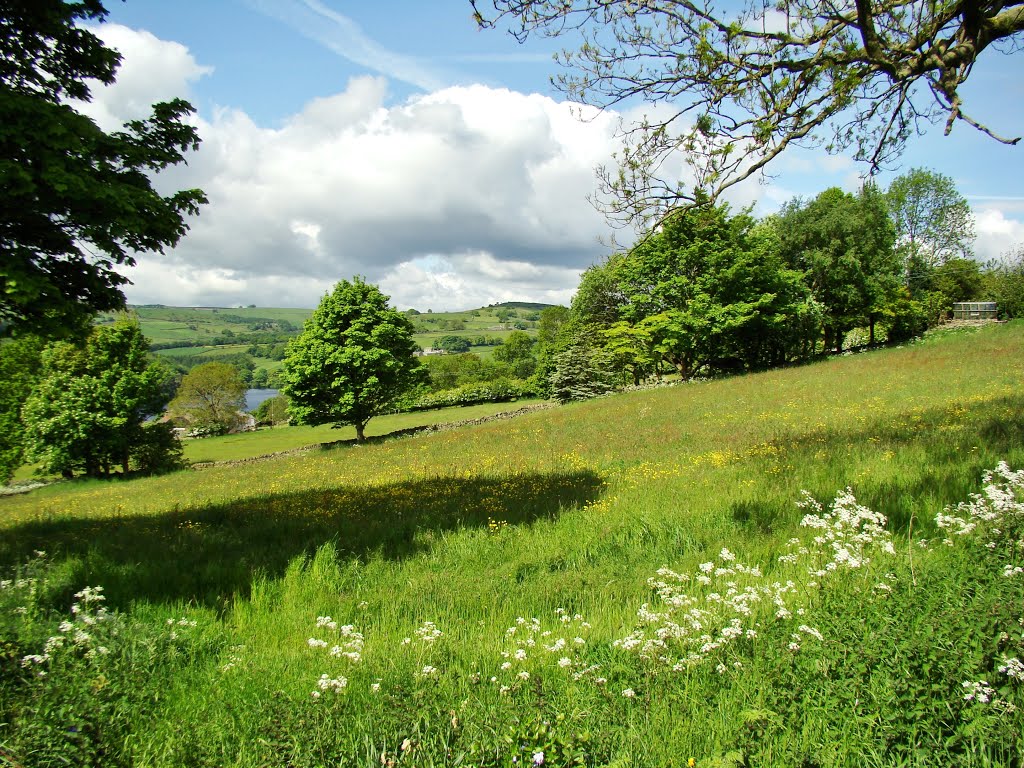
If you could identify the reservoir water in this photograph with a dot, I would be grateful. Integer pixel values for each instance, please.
(253, 397)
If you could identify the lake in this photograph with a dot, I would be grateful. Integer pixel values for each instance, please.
(253, 397)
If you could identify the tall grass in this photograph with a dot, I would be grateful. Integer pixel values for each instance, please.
(561, 516)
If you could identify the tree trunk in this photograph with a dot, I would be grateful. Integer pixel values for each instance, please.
(871, 331)
(360, 434)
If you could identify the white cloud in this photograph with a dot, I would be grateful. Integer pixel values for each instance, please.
(151, 70)
(460, 197)
(467, 280)
(492, 182)
(997, 233)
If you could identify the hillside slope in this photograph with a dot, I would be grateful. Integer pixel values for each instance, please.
(434, 547)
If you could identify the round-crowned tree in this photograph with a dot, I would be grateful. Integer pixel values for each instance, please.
(354, 357)
(88, 409)
(210, 399)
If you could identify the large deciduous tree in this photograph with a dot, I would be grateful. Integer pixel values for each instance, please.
(845, 246)
(353, 359)
(933, 221)
(734, 84)
(710, 291)
(78, 202)
(210, 398)
(88, 409)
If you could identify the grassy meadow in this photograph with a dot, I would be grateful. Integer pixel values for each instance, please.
(620, 582)
(272, 440)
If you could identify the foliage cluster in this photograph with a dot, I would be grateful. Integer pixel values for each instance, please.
(209, 400)
(84, 407)
(451, 371)
(709, 292)
(498, 390)
(272, 412)
(78, 201)
(1004, 282)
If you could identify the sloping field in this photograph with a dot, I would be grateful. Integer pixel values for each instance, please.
(193, 326)
(491, 596)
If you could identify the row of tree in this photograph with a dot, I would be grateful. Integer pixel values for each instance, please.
(710, 292)
(103, 401)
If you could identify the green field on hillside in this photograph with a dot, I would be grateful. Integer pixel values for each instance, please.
(288, 438)
(168, 324)
(619, 582)
(193, 326)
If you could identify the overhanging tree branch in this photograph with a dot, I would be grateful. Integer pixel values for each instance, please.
(744, 83)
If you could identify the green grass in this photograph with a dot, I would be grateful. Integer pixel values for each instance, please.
(286, 438)
(163, 325)
(572, 508)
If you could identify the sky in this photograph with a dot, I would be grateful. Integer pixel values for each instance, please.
(396, 141)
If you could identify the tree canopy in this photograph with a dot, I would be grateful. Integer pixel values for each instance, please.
(353, 359)
(707, 290)
(88, 409)
(78, 202)
(210, 398)
(933, 220)
(734, 84)
(845, 246)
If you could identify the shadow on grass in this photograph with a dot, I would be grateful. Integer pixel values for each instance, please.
(951, 451)
(210, 555)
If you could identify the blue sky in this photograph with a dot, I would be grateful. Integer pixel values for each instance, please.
(396, 140)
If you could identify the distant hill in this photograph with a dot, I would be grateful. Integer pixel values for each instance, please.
(519, 305)
(255, 337)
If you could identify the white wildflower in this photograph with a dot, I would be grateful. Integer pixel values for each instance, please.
(1012, 668)
(328, 683)
(979, 691)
